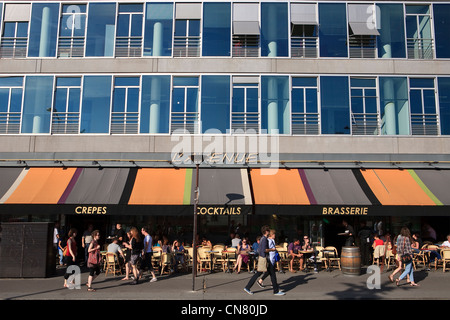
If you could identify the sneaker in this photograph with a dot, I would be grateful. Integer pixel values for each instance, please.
(248, 291)
(153, 280)
(279, 293)
(260, 284)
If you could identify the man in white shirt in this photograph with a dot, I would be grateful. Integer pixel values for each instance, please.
(446, 243)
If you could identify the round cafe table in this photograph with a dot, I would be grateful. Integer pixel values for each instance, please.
(305, 254)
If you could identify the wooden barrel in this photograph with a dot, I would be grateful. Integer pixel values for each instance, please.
(351, 261)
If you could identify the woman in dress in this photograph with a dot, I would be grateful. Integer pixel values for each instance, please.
(243, 249)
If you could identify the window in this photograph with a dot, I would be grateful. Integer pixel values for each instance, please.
(364, 112)
(418, 32)
(215, 115)
(245, 113)
(43, 30)
(187, 39)
(422, 100)
(305, 114)
(275, 109)
(304, 30)
(391, 41)
(72, 31)
(274, 30)
(158, 29)
(15, 31)
(11, 91)
(185, 114)
(100, 32)
(96, 106)
(444, 104)
(129, 30)
(125, 107)
(246, 32)
(394, 109)
(362, 31)
(37, 104)
(66, 105)
(334, 97)
(217, 29)
(155, 104)
(333, 30)
(441, 26)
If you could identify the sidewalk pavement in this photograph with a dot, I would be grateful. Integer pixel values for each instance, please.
(434, 285)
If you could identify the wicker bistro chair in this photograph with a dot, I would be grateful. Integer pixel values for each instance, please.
(218, 257)
(166, 262)
(421, 257)
(112, 264)
(445, 254)
(333, 258)
(389, 259)
(379, 255)
(156, 258)
(229, 259)
(204, 259)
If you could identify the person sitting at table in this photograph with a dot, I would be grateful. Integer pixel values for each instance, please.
(293, 252)
(178, 250)
(306, 246)
(114, 247)
(206, 242)
(243, 254)
(236, 241)
(446, 244)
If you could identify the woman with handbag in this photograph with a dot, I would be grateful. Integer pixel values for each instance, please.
(94, 259)
(405, 252)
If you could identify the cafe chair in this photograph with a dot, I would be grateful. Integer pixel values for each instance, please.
(218, 258)
(436, 260)
(445, 254)
(333, 258)
(112, 264)
(421, 257)
(166, 263)
(379, 255)
(230, 259)
(188, 257)
(389, 259)
(156, 257)
(320, 258)
(204, 259)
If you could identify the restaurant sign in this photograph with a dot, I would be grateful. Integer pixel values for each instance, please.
(91, 210)
(337, 210)
(219, 211)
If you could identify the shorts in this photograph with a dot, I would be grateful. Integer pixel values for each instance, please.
(135, 259)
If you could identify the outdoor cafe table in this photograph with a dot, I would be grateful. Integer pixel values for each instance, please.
(305, 253)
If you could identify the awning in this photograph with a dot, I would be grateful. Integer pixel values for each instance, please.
(224, 191)
(350, 191)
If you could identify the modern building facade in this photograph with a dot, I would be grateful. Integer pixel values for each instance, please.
(306, 112)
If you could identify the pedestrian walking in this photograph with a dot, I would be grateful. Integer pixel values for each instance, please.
(137, 246)
(404, 249)
(71, 253)
(264, 265)
(94, 259)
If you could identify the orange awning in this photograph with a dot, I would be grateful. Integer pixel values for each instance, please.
(278, 186)
(41, 185)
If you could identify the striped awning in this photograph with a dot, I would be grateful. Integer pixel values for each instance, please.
(259, 190)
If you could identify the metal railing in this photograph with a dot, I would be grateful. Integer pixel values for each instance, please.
(420, 48)
(13, 48)
(65, 122)
(186, 46)
(304, 47)
(365, 124)
(128, 46)
(124, 122)
(71, 47)
(245, 121)
(305, 123)
(245, 46)
(10, 122)
(361, 46)
(187, 121)
(424, 124)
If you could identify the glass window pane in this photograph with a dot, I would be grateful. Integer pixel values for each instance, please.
(441, 27)
(43, 30)
(9, 29)
(123, 24)
(429, 102)
(4, 99)
(333, 29)
(238, 99)
(119, 100)
(444, 104)
(181, 28)
(416, 101)
(96, 104)
(298, 100)
(371, 105)
(216, 29)
(178, 99)
(391, 41)
(16, 100)
(274, 29)
(74, 100)
(252, 100)
(37, 104)
(335, 111)
(100, 33)
(155, 104)
(136, 25)
(192, 100)
(60, 102)
(311, 100)
(158, 29)
(275, 113)
(185, 81)
(215, 110)
(394, 107)
(133, 100)
(22, 29)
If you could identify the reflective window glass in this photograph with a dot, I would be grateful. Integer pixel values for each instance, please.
(155, 104)
(335, 111)
(101, 30)
(216, 29)
(96, 104)
(158, 29)
(43, 30)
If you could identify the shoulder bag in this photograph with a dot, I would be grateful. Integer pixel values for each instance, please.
(94, 256)
(405, 257)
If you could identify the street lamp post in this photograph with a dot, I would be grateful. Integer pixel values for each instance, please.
(197, 159)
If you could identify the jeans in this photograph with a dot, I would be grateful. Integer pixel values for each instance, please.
(408, 270)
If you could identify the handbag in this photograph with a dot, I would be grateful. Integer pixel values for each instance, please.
(406, 257)
(277, 256)
(262, 264)
(94, 257)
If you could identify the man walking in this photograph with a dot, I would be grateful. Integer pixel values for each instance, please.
(263, 251)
